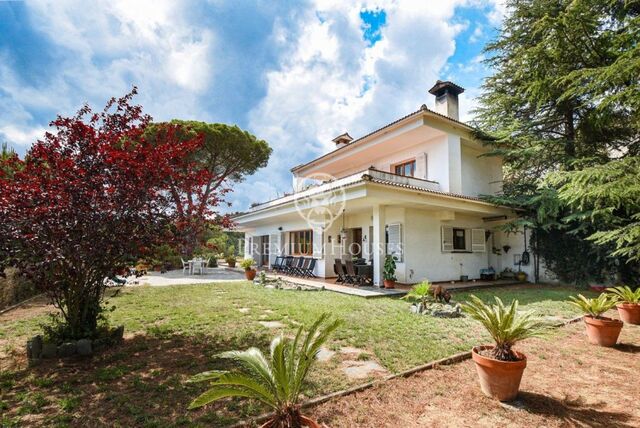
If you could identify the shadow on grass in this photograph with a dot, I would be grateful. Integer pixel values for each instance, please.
(138, 383)
(573, 412)
(629, 348)
(526, 293)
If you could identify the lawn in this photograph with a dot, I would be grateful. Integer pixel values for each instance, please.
(173, 332)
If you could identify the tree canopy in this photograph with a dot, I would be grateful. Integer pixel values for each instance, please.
(227, 155)
(564, 96)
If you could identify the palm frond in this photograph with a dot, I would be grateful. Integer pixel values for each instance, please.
(593, 307)
(625, 294)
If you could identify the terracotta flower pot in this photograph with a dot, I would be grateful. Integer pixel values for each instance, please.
(602, 331)
(304, 420)
(499, 379)
(629, 312)
(250, 274)
(231, 263)
(389, 283)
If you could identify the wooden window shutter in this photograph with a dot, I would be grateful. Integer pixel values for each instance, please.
(394, 244)
(447, 239)
(478, 244)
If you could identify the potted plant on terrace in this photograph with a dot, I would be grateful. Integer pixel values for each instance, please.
(601, 330)
(389, 272)
(499, 367)
(249, 271)
(628, 303)
(275, 380)
(231, 260)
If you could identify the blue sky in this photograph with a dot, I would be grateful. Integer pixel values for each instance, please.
(294, 73)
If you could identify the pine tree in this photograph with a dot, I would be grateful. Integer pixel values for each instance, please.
(564, 96)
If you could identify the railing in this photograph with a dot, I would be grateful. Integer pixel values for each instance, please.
(346, 181)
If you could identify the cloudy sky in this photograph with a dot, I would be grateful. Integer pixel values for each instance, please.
(294, 73)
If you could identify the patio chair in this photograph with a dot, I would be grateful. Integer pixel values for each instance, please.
(351, 273)
(302, 269)
(296, 265)
(286, 266)
(186, 266)
(308, 272)
(337, 269)
(277, 265)
(205, 265)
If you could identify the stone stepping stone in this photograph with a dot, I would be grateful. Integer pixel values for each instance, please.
(244, 310)
(351, 350)
(272, 324)
(325, 354)
(362, 369)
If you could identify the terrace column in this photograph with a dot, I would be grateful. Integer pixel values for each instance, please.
(378, 244)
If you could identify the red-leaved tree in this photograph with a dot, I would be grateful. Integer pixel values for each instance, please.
(86, 201)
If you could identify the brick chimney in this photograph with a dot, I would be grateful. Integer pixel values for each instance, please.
(342, 140)
(446, 94)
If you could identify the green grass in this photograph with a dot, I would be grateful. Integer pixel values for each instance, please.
(180, 330)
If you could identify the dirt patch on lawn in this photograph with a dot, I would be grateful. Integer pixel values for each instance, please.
(567, 383)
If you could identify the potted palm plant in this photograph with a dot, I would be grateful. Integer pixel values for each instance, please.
(499, 366)
(389, 272)
(601, 330)
(231, 260)
(249, 271)
(628, 303)
(276, 380)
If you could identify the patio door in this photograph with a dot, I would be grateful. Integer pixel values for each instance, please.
(264, 253)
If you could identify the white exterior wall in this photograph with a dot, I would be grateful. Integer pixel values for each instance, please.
(480, 175)
(424, 256)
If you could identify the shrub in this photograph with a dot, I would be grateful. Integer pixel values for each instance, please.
(420, 293)
(247, 264)
(276, 380)
(14, 288)
(505, 325)
(625, 294)
(593, 307)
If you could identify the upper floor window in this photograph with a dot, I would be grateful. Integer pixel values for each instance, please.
(406, 168)
(301, 242)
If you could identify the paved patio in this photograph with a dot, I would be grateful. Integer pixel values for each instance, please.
(177, 277)
(329, 284)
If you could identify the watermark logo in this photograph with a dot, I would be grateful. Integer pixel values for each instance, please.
(320, 203)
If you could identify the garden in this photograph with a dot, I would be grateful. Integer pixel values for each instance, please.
(175, 332)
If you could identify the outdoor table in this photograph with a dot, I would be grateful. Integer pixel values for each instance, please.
(366, 271)
(193, 263)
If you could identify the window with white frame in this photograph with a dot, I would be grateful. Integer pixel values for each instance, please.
(393, 240)
(459, 239)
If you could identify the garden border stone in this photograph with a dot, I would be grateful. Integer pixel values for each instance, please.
(38, 349)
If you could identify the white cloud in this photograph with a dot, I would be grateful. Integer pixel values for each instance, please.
(317, 91)
(21, 136)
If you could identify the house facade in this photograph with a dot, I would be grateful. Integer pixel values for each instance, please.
(410, 189)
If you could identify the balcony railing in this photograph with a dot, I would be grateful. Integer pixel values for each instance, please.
(347, 181)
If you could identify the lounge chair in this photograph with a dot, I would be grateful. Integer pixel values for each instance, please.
(338, 270)
(308, 272)
(277, 265)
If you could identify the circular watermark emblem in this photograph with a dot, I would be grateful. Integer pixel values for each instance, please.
(321, 203)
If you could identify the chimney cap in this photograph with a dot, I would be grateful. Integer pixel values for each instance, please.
(442, 86)
(343, 138)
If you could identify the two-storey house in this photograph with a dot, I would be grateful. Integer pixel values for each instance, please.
(410, 188)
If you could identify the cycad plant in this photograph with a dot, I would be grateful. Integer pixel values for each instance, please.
(420, 293)
(625, 294)
(276, 380)
(505, 325)
(593, 307)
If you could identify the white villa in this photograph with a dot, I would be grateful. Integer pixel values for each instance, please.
(410, 188)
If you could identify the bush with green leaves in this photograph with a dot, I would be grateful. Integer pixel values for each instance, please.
(625, 294)
(419, 293)
(593, 307)
(505, 325)
(247, 264)
(276, 380)
(389, 268)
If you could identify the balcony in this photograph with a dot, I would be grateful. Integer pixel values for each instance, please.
(367, 175)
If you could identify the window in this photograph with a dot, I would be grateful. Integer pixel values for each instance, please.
(459, 240)
(301, 242)
(406, 168)
(393, 240)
